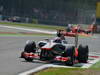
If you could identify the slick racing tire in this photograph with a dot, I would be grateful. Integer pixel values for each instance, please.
(30, 47)
(70, 52)
(83, 53)
(29, 59)
(22, 54)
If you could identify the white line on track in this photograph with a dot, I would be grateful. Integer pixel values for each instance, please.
(28, 29)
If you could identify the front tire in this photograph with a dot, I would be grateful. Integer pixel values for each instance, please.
(22, 54)
(29, 59)
(30, 47)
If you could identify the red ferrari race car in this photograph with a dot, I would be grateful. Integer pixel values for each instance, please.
(79, 30)
(56, 49)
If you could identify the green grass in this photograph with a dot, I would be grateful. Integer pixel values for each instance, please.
(52, 27)
(68, 71)
(42, 26)
(94, 70)
(22, 34)
(97, 65)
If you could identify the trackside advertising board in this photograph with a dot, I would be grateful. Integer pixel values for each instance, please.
(98, 13)
(98, 10)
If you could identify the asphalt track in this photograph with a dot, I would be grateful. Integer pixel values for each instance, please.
(12, 46)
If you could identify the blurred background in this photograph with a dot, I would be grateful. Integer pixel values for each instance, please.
(51, 12)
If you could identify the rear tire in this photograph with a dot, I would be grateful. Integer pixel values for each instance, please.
(29, 59)
(83, 54)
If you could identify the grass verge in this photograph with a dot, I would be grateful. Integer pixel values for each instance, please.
(52, 27)
(68, 71)
(25, 34)
(93, 70)
(97, 65)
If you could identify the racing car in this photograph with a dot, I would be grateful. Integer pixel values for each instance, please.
(84, 32)
(57, 49)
